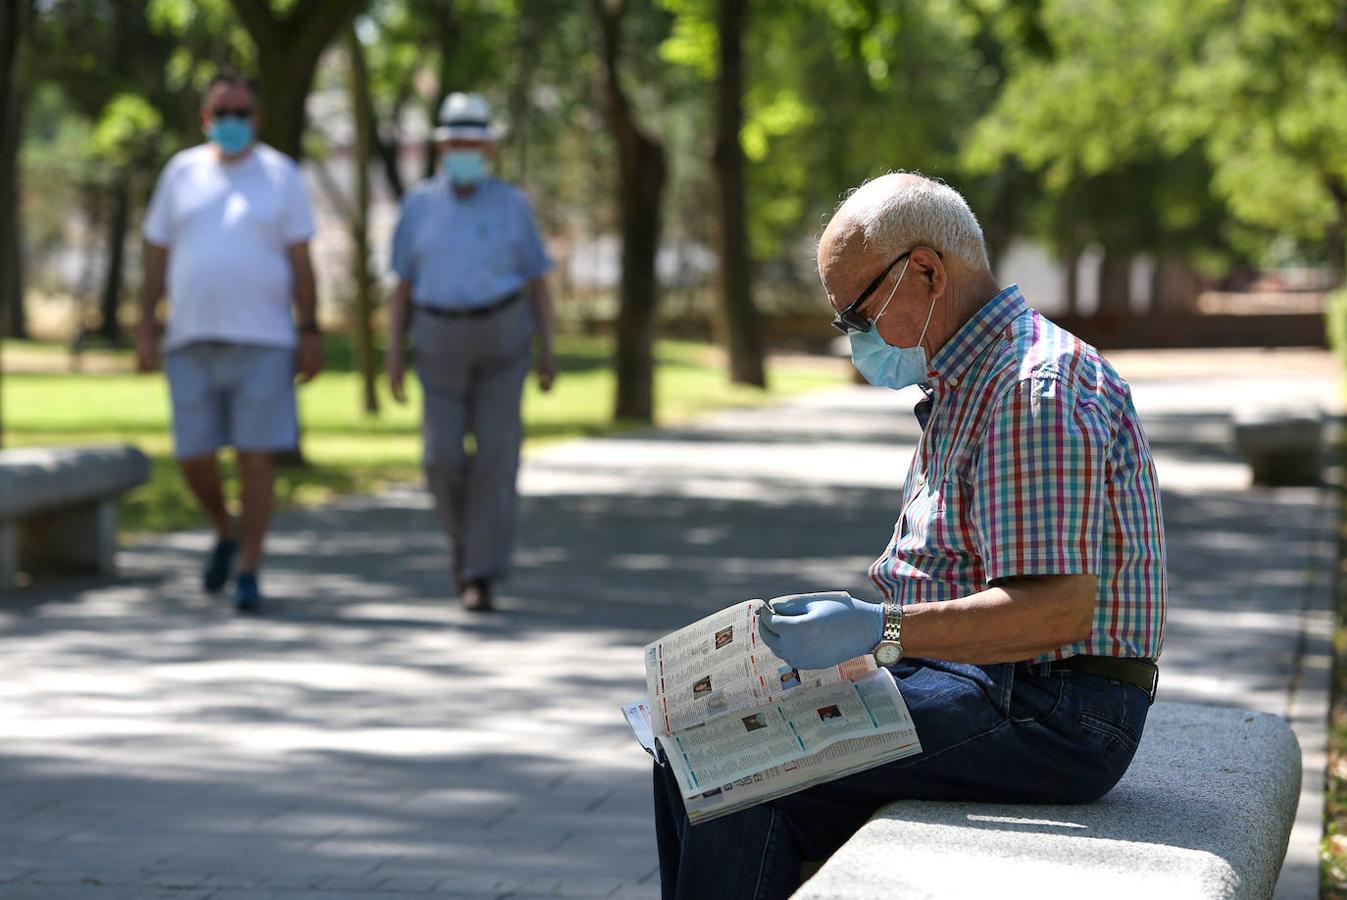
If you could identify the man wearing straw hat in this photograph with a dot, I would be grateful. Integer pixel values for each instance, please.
(470, 265)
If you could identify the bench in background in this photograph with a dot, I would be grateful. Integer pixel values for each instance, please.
(58, 507)
(1282, 444)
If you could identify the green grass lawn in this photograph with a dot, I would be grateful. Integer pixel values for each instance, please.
(346, 450)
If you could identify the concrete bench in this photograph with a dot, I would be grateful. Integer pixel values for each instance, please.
(58, 508)
(1282, 444)
(1205, 811)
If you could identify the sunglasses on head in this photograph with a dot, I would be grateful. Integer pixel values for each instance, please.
(849, 320)
(232, 112)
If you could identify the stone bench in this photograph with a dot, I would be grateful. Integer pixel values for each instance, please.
(58, 507)
(1205, 811)
(1282, 444)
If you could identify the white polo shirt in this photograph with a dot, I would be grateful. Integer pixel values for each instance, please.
(227, 226)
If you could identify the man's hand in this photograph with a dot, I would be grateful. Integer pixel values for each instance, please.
(309, 357)
(815, 631)
(147, 347)
(547, 369)
(396, 370)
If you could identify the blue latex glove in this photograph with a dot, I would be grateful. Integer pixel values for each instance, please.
(815, 631)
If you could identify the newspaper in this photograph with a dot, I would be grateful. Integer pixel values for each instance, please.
(739, 725)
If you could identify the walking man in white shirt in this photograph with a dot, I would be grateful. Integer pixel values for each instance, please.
(227, 233)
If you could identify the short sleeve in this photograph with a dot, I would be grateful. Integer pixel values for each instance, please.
(534, 261)
(299, 224)
(401, 259)
(157, 227)
(1039, 484)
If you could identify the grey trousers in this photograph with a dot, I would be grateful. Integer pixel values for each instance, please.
(472, 374)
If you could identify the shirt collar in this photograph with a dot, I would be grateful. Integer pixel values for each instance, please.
(975, 335)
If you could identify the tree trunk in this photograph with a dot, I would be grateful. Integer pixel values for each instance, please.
(11, 260)
(288, 49)
(109, 328)
(1177, 286)
(364, 296)
(739, 316)
(1115, 283)
(521, 91)
(284, 117)
(12, 22)
(446, 42)
(431, 157)
(641, 178)
(388, 151)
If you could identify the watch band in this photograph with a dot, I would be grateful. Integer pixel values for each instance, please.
(893, 622)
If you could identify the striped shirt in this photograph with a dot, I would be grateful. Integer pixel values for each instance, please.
(1032, 462)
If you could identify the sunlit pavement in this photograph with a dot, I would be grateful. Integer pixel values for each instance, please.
(366, 738)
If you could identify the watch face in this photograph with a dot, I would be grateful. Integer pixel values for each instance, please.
(887, 653)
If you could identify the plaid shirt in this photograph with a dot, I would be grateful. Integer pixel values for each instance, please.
(1032, 462)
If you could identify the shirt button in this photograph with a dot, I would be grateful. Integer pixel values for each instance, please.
(954, 382)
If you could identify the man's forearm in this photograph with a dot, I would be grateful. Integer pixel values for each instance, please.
(542, 311)
(305, 289)
(399, 307)
(1021, 619)
(306, 297)
(152, 282)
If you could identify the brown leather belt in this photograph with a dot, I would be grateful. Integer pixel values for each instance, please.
(475, 312)
(1143, 673)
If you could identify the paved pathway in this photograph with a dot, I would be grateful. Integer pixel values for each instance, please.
(367, 739)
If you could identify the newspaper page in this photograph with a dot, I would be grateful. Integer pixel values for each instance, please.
(738, 725)
(837, 761)
(729, 748)
(718, 666)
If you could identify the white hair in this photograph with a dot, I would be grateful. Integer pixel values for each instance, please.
(900, 210)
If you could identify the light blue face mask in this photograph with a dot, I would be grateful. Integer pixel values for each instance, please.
(883, 364)
(464, 167)
(231, 134)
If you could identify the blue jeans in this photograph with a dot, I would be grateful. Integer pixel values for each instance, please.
(1003, 733)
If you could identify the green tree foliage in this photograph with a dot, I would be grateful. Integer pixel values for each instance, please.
(1152, 123)
(1265, 92)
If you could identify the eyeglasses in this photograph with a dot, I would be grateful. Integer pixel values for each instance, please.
(848, 321)
(236, 112)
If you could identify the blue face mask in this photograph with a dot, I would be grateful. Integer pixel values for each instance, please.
(231, 134)
(884, 365)
(464, 167)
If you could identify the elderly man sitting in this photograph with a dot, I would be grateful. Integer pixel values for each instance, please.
(1023, 589)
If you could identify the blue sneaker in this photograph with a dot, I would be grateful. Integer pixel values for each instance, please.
(247, 595)
(219, 564)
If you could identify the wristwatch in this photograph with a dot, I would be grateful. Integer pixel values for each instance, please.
(890, 647)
